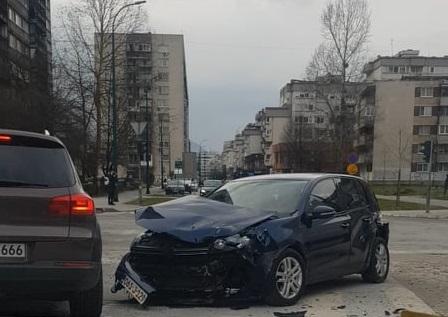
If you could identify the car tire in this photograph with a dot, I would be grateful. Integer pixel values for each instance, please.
(290, 265)
(378, 268)
(88, 303)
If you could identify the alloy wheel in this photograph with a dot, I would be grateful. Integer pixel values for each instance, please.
(382, 260)
(289, 277)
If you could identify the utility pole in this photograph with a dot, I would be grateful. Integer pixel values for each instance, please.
(147, 144)
(199, 161)
(428, 193)
(161, 151)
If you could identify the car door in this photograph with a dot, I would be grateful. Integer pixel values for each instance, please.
(362, 224)
(327, 240)
(356, 204)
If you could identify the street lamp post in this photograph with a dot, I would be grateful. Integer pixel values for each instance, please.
(114, 98)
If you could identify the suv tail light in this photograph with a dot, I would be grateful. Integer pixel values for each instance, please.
(78, 204)
(5, 138)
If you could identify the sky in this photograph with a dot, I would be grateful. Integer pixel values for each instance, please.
(239, 53)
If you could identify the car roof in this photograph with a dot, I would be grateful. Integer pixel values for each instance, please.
(293, 176)
(31, 135)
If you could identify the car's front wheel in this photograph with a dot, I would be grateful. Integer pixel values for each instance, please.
(88, 303)
(287, 279)
(378, 268)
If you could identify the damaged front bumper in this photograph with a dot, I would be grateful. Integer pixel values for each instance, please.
(193, 273)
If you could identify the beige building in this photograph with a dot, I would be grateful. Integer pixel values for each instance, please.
(404, 105)
(152, 97)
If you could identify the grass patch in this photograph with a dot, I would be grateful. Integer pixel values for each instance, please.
(386, 204)
(147, 201)
(408, 190)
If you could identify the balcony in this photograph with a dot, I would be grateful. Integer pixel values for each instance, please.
(362, 141)
(365, 122)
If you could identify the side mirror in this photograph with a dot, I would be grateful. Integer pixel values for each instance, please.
(323, 212)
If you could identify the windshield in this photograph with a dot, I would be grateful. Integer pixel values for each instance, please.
(281, 196)
(34, 167)
(212, 183)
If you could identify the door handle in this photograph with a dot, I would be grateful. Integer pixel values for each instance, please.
(345, 225)
(367, 220)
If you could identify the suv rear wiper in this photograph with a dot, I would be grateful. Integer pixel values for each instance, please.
(12, 183)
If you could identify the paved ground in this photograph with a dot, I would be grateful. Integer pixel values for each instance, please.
(416, 246)
(420, 258)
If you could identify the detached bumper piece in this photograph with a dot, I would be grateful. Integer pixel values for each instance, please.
(184, 272)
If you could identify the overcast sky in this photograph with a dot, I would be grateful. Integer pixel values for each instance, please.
(241, 52)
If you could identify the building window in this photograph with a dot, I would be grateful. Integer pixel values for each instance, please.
(422, 111)
(164, 90)
(431, 69)
(422, 167)
(443, 129)
(442, 167)
(426, 92)
(442, 148)
(310, 107)
(369, 111)
(422, 130)
(163, 76)
(443, 111)
(4, 31)
(163, 62)
(319, 120)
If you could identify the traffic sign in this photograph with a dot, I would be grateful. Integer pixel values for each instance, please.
(353, 158)
(352, 169)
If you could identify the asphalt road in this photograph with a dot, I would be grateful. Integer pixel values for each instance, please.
(418, 249)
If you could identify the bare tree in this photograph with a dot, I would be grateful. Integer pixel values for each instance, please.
(341, 57)
(86, 42)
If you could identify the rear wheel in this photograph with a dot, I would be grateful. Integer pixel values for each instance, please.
(88, 303)
(379, 263)
(286, 280)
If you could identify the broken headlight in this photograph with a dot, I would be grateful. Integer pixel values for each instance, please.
(236, 241)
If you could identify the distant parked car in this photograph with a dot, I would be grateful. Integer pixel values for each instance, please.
(50, 240)
(209, 186)
(175, 187)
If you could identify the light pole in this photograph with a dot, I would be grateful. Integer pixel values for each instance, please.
(114, 98)
(200, 162)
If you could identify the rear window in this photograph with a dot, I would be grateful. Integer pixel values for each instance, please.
(35, 166)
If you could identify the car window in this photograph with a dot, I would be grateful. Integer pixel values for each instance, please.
(35, 165)
(350, 194)
(282, 196)
(324, 193)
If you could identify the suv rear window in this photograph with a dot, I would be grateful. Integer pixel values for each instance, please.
(34, 166)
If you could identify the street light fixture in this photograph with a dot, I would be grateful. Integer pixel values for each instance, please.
(114, 98)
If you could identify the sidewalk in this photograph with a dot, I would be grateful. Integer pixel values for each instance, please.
(101, 204)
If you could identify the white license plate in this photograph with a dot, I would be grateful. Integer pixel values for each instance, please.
(12, 251)
(135, 290)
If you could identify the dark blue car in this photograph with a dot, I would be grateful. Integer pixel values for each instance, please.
(268, 236)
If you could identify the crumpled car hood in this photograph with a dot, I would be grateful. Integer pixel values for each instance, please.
(195, 219)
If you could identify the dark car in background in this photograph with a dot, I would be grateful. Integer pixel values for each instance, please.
(267, 235)
(209, 186)
(175, 187)
(50, 241)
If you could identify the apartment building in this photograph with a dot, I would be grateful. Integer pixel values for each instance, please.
(152, 93)
(273, 122)
(404, 104)
(25, 63)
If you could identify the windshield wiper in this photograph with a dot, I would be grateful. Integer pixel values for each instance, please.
(12, 183)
